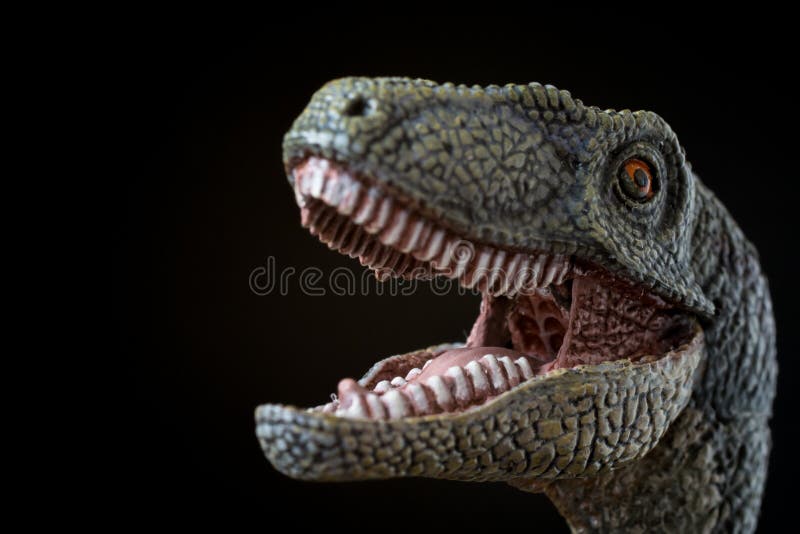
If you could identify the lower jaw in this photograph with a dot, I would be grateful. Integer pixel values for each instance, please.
(512, 342)
(574, 422)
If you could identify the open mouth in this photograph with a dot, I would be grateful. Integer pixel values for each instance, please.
(540, 313)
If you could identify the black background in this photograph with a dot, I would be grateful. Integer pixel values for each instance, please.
(203, 105)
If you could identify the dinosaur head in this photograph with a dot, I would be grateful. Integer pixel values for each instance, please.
(574, 223)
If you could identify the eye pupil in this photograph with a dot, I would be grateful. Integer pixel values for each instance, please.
(641, 178)
(636, 180)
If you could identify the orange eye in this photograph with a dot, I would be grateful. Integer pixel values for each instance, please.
(636, 180)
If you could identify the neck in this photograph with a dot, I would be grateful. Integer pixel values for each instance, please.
(708, 471)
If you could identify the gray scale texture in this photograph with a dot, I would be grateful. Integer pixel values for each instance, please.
(531, 168)
(583, 421)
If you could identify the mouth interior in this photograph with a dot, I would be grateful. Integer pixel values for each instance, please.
(540, 312)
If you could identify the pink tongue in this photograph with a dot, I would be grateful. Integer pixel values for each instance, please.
(460, 358)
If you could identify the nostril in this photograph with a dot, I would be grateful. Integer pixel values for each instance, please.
(356, 107)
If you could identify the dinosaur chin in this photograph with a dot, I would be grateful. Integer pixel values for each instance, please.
(569, 369)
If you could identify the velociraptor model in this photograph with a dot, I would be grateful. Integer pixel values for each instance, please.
(623, 361)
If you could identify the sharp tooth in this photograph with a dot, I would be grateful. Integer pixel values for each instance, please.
(440, 390)
(382, 387)
(525, 367)
(392, 233)
(398, 382)
(495, 373)
(419, 398)
(357, 408)
(479, 380)
(349, 197)
(340, 237)
(464, 253)
(396, 404)
(381, 218)
(320, 221)
(495, 272)
(550, 272)
(511, 370)
(406, 262)
(415, 227)
(392, 258)
(303, 182)
(427, 364)
(353, 241)
(418, 235)
(369, 202)
(537, 270)
(433, 246)
(507, 274)
(376, 408)
(413, 373)
(480, 268)
(370, 253)
(310, 214)
(383, 258)
(332, 190)
(328, 234)
(462, 389)
(563, 271)
(316, 181)
(445, 258)
(523, 273)
(361, 240)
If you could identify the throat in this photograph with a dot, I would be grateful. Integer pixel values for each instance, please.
(584, 321)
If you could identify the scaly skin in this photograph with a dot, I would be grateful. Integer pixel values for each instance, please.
(679, 444)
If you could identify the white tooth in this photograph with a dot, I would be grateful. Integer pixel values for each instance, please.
(537, 270)
(396, 404)
(412, 373)
(331, 190)
(523, 272)
(392, 234)
(525, 367)
(381, 218)
(496, 271)
(563, 270)
(550, 273)
(382, 387)
(376, 407)
(511, 370)
(411, 241)
(357, 408)
(367, 207)
(433, 247)
(398, 382)
(442, 260)
(481, 269)
(479, 380)
(498, 380)
(301, 183)
(462, 387)
(360, 242)
(317, 182)
(464, 255)
(427, 363)
(508, 274)
(349, 197)
(443, 397)
(419, 398)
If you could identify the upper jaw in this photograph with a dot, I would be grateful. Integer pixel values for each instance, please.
(385, 233)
